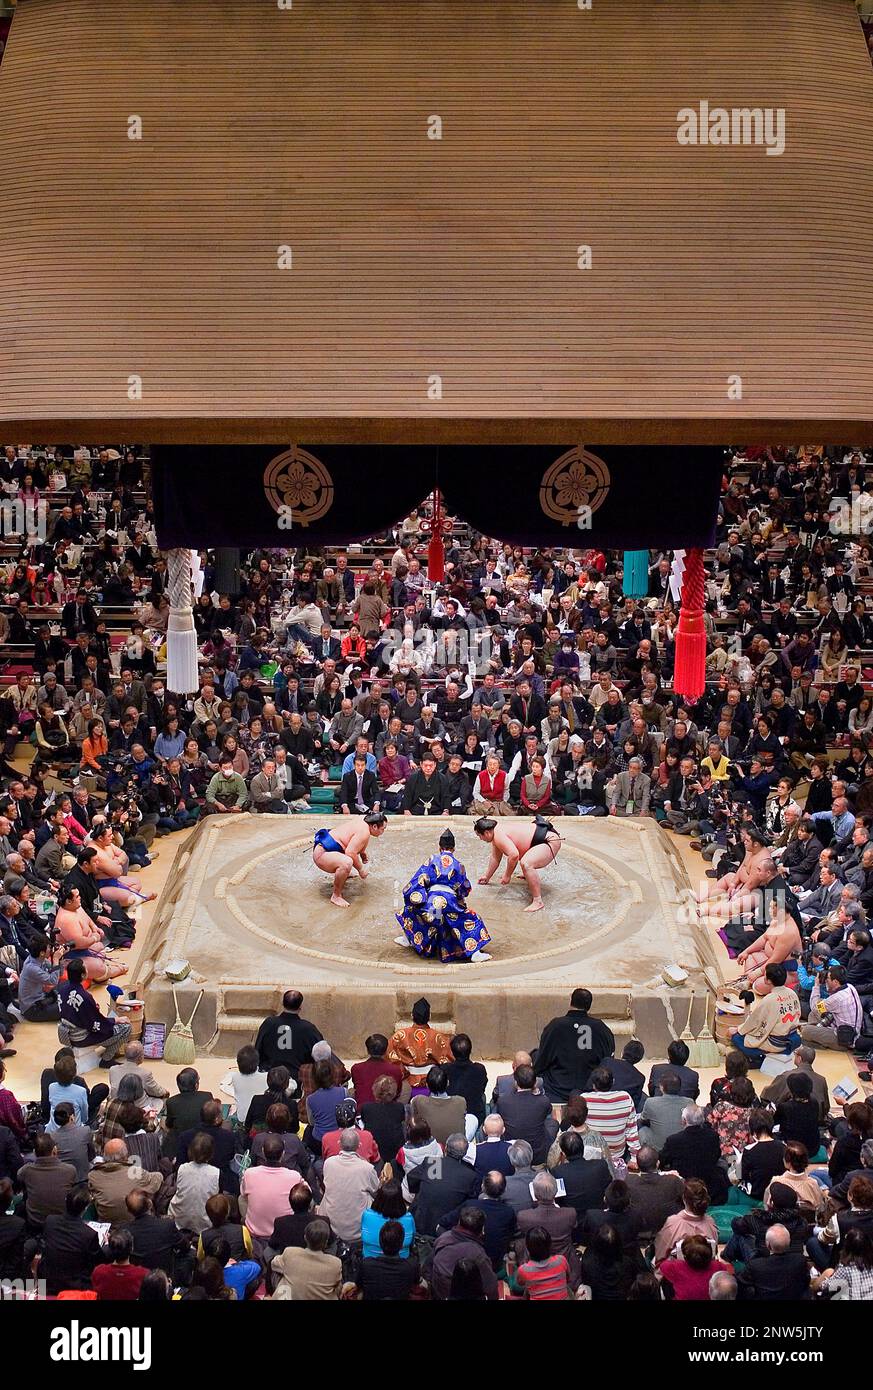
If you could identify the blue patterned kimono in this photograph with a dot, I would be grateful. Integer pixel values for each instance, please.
(435, 919)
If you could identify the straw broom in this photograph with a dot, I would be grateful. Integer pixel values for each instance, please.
(179, 1047)
(704, 1050)
(687, 1036)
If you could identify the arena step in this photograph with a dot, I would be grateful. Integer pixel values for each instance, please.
(242, 1005)
(239, 1023)
(622, 1028)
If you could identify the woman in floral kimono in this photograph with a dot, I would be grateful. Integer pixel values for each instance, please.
(436, 921)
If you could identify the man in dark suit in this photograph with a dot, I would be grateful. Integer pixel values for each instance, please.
(633, 631)
(677, 1055)
(426, 729)
(157, 1241)
(83, 807)
(659, 580)
(840, 583)
(625, 1074)
(779, 1276)
(772, 587)
(441, 1187)
(10, 1156)
(653, 1196)
(809, 739)
(800, 859)
(783, 624)
(182, 1111)
(857, 957)
(695, 1152)
(139, 555)
(451, 707)
(492, 1152)
(71, 1248)
(528, 707)
(12, 1234)
(585, 1179)
(527, 1113)
(290, 698)
(156, 707)
(224, 1144)
(78, 616)
(571, 1047)
(325, 647)
(346, 577)
(839, 1193)
(134, 691)
(851, 692)
(500, 1219)
(359, 791)
(299, 744)
(290, 1229)
(467, 1078)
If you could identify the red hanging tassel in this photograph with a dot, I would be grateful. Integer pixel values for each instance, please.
(436, 560)
(689, 673)
(436, 551)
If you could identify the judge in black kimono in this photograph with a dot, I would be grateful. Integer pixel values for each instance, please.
(426, 793)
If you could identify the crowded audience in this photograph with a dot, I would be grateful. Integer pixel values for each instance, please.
(419, 1183)
(525, 682)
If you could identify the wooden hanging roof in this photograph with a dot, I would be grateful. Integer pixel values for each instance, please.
(414, 257)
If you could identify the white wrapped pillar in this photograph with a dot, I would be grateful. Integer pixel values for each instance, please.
(197, 575)
(182, 670)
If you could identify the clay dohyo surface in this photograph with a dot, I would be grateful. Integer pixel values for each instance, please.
(247, 904)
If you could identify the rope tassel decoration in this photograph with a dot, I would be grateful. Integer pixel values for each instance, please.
(689, 675)
(182, 671)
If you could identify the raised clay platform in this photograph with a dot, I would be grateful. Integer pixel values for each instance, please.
(247, 907)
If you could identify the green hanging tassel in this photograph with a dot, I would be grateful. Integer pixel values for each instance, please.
(636, 573)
